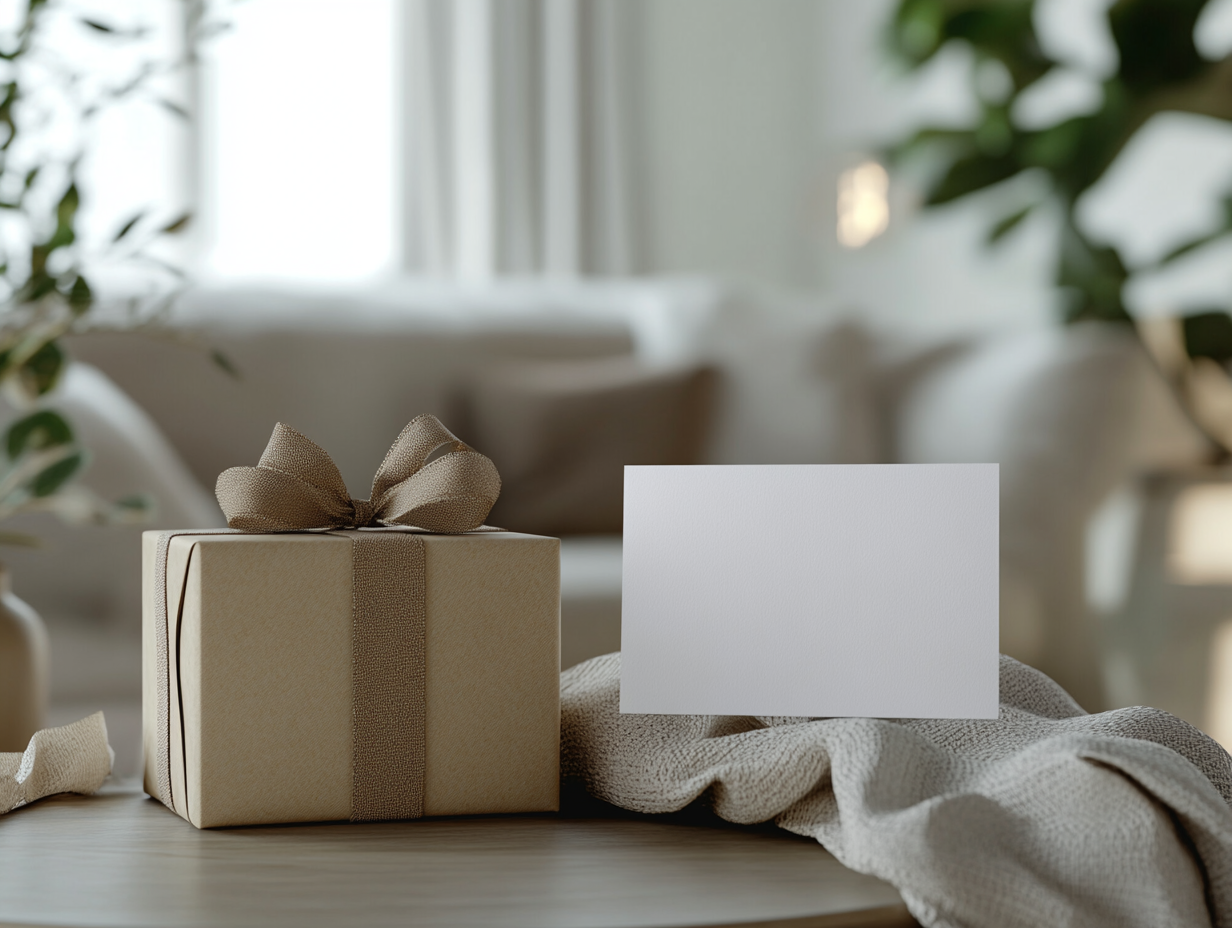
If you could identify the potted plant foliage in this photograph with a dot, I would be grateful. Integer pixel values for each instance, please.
(1159, 69)
(46, 293)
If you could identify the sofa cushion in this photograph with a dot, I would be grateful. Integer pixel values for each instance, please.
(796, 384)
(560, 433)
(351, 389)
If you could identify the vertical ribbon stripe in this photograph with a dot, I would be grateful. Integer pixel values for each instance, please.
(387, 676)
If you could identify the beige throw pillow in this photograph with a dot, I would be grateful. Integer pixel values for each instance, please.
(560, 433)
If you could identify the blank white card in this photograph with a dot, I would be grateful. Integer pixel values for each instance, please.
(811, 590)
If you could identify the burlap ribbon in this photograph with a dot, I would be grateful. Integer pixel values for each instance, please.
(71, 759)
(297, 487)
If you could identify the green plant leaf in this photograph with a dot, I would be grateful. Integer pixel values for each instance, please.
(136, 502)
(128, 226)
(66, 217)
(999, 29)
(40, 283)
(946, 145)
(66, 209)
(1092, 278)
(41, 372)
(972, 173)
(224, 363)
(1008, 224)
(1193, 245)
(1208, 335)
(55, 476)
(179, 224)
(1224, 228)
(1155, 39)
(1056, 146)
(6, 113)
(916, 31)
(80, 297)
(37, 431)
(136, 82)
(1003, 30)
(172, 107)
(994, 135)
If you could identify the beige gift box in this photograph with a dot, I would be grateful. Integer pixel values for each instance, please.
(259, 667)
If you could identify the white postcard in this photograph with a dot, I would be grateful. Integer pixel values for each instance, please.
(811, 590)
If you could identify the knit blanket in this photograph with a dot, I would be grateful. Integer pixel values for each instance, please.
(1046, 816)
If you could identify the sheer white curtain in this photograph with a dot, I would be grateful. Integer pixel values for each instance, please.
(517, 137)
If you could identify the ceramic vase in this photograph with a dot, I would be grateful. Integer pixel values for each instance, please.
(24, 669)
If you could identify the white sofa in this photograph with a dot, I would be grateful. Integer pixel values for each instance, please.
(1069, 414)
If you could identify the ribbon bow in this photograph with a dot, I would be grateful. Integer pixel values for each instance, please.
(297, 486)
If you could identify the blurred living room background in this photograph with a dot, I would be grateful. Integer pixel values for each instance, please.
(589, 233)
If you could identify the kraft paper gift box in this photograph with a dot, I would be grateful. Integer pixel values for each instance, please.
(268, 697)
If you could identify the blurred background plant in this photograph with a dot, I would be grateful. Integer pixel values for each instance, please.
(49, 107)
(1159, 68)
(41, 457)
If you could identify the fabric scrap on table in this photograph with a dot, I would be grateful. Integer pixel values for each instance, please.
(71, 759)
(1044, 816)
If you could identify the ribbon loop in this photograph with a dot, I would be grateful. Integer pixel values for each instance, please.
(296, 455)
(411, 450)
(297, 486)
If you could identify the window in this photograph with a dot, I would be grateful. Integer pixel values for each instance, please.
(298, 129)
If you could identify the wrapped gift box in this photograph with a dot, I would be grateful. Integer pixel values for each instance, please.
(259, 716)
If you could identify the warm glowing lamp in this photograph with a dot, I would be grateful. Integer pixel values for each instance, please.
(863, 205)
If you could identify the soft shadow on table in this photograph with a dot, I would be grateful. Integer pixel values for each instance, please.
(577, 803)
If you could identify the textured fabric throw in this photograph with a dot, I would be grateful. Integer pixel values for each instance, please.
(297, 487)
(72, 759)
(1046, 816)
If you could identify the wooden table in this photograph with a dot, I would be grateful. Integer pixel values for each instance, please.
(118, 858)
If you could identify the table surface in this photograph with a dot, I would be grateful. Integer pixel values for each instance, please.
(118, 858)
